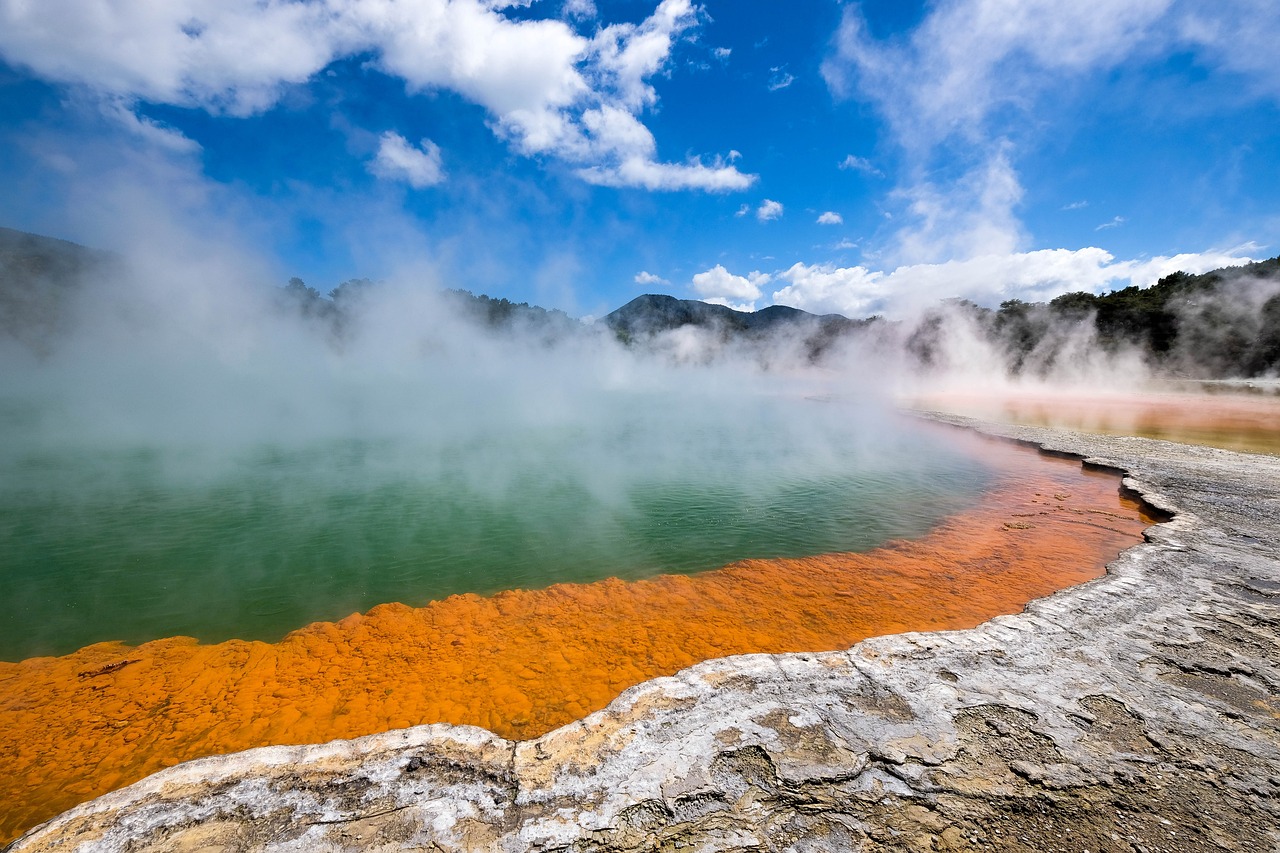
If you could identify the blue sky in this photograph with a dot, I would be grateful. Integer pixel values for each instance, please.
(856, 157)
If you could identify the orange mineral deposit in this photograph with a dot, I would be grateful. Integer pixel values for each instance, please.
(526, 661)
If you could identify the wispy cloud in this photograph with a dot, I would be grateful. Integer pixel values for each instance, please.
(148, 130)
(584, 9)
(860, 164)
(780, 78)
(1115, 222)
(1075, 205)
(957, 86)
(969, 57)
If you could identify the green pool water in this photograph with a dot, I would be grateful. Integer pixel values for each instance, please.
(131, 541)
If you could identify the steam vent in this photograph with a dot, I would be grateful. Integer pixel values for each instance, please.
(1134, 711)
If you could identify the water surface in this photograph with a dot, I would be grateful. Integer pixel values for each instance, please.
(133, 541)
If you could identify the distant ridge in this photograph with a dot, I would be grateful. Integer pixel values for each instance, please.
(654, 313)
(1224, 323)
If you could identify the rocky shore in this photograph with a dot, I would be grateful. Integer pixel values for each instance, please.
(1139, 712)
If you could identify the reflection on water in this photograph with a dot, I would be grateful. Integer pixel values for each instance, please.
(523, 662)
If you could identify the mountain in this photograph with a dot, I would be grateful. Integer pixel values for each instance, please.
(1219, 324)
(652, 314)
(38, 277)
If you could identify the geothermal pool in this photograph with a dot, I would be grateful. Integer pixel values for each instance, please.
(253, 538)
(1239, 416)
(989, 526)
(132, 543)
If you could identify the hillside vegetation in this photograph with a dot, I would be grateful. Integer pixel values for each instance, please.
(1219, 324)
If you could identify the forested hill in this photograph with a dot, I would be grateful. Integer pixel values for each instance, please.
(653, 314)
(38, 277)
(1224, 323)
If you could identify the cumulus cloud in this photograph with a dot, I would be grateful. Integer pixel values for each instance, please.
(397, 160)
(769, 209)
(545, 85)
(721, 287)
(990, 279)
(645, 278)
(830, 217)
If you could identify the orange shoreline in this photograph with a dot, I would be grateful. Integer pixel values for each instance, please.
(1246, 423)
(523, 662)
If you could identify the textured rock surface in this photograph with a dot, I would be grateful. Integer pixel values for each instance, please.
(1139, 712)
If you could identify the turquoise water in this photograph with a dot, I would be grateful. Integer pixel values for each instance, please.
(133, 541)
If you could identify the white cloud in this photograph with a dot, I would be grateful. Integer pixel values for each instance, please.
(780, 79)
(1115, 222)
(743, 210)
(990, 279)
(721, 287)
(584, 9)
(627, 55)
(1075, 205)
(960, 86)
(722, 53)
(149, 131)
(860, 164)
(650, 175)
(830, 217)
(769, 209)
(969, 57)
(971, 216)
(645, 278)
(545, 85)
(744, 307)
(1237, 36)
(397, 160)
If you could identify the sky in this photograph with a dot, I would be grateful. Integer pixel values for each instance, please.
(853, 157)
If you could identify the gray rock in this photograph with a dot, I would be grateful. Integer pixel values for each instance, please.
(1137, 712)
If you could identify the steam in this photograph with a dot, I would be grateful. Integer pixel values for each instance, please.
(363, 443)
(204, 357)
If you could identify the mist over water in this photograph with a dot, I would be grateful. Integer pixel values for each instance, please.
(192, 457)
